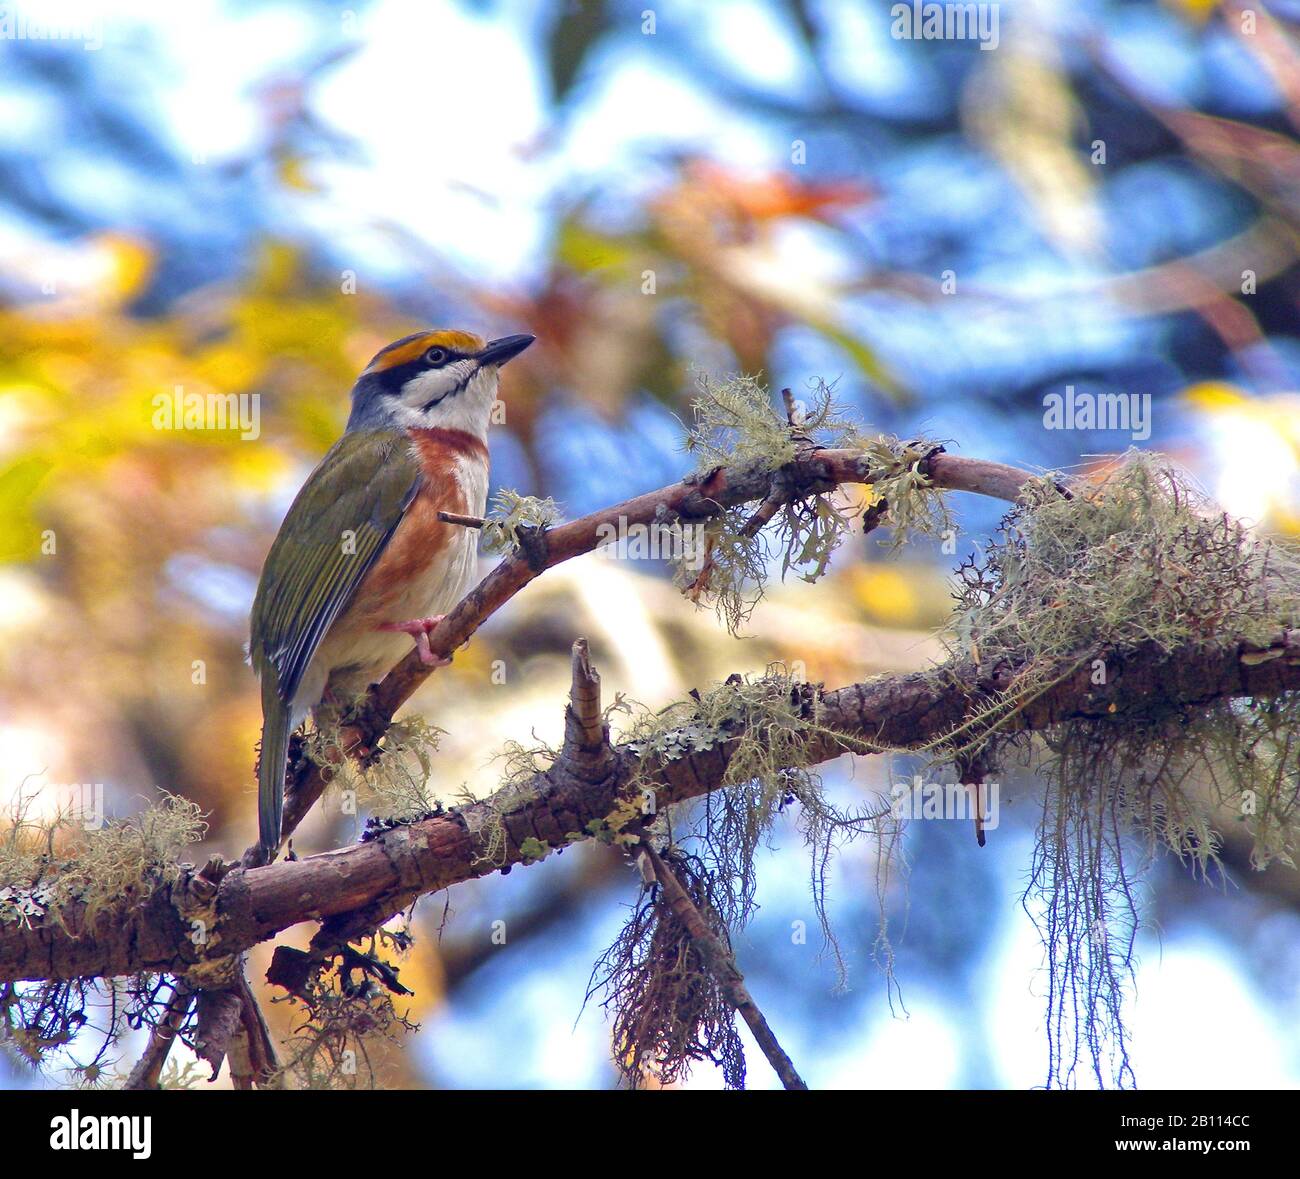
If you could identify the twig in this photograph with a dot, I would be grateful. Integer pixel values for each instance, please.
(218, 1019)
(763, 516)
(723, 967)
(780, 494)
(586, 725)
(972, 769)
(795, 422)
(586, 736)
(463, 521)
(147, 1072)
(251, 1053)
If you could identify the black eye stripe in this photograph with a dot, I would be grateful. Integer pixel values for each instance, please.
(394, 379)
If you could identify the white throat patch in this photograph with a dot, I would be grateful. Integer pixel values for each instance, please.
(457, 396)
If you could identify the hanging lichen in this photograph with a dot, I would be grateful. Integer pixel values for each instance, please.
(736, 423)
(351, 1021)
(1138, 560)
(775, 738)
(667, 1009)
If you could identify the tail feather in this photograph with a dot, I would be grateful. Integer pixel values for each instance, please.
(271, 768)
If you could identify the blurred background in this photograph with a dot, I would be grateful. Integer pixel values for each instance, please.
(252, 198)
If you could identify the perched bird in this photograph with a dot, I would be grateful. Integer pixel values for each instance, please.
(362, 564)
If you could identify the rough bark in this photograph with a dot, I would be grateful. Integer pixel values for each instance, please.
(358, 887)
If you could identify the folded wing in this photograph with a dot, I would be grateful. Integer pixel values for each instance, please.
(336, 529)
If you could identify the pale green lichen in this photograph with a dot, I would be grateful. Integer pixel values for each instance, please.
(533, 850)
(509, 513)
(48, 863)
(914, 507)
(736, 423)
(1138, 559)
(1139, 556)
(521, 767)
(56, 871)
(776, 738)
(398, 783)
(395, 783)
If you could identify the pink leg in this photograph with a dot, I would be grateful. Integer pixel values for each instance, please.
(420, 629)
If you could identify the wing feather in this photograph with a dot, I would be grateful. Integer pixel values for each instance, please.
(359, 492)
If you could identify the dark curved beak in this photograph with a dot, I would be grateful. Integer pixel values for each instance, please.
(507, 348)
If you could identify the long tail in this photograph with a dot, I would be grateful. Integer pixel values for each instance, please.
(271, 767)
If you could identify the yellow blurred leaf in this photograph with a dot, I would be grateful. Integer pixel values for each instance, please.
(293, 174)
(585, 249)
(258, 468)
(130, 265)
(885, 594)
(19, 535)
(1214, 395)
(1196, 11)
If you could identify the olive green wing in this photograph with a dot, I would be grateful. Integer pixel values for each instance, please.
(335, 530)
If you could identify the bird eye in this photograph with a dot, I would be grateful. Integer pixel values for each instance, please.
(436, 355)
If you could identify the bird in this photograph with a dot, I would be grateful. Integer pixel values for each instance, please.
(363, 564)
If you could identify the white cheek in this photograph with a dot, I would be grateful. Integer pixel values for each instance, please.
(438, 382)
(468, 410)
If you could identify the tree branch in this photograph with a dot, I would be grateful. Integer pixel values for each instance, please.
(361, 886)
(147, 1072)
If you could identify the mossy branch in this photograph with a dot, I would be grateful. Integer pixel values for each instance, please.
(1185, 613)
(381, 876)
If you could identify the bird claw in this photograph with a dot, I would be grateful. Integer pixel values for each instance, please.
(420, 629)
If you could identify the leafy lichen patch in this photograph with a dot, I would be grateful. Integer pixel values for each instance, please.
(509, 513)
(736, 423)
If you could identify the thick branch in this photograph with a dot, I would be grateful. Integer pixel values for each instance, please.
(383, 876)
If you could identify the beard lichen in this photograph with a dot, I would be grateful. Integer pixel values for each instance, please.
(1138, 560)
(395, 783)
(72, 857)
(775, 737)
(1141, 561)
(737, 424)
(667, 1009)
(351, 1021)
(65, 871)
(1140, 556)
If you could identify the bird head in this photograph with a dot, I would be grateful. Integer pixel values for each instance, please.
(430, 379)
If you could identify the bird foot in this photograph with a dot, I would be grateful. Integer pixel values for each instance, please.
(420, 629)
